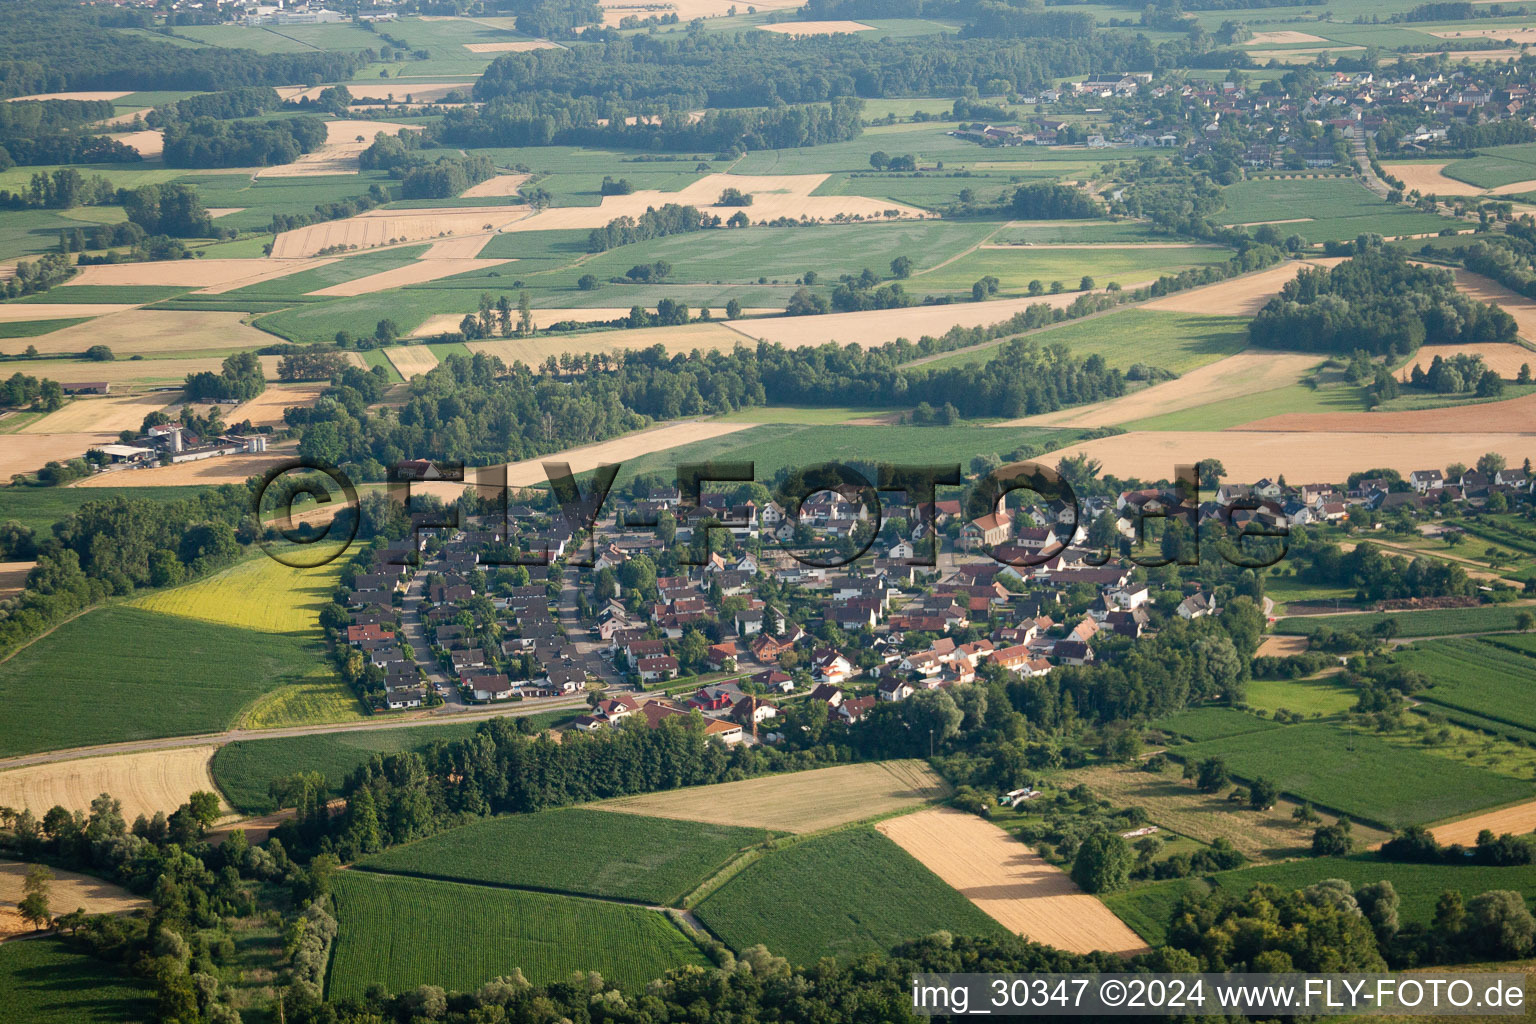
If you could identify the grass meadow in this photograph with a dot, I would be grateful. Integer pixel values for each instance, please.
(833, 896)
(1321, 696)
(1359, 774)
(38, 508)
(1148, 908)
(1015, 268)
(121, 673)
(586, 853)
(1198, 725)
(403, 932)
(45, 982)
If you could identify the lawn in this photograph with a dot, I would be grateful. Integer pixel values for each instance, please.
(1337, 208)
(575, 851)
(121, 673)
(1147, 908)
(1359, 774)
(1179, 342)
(1211, 723)
(1323, 696)
(244, 768)
(403, 932)
(43, 981)
(1486, 618)
(1484, 677)
(833, 896)
(259, 593)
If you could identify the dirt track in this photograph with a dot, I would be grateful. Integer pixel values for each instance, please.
(1010, 882)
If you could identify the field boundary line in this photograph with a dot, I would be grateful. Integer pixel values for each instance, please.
(50, 629)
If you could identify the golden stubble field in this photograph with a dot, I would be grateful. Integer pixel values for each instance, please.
(1010, 882)
(798, 802)
(1519, 820)
(151, 332)
(107, 414)
(391, 227)
(145, 782)
(346, 140)
(209, 276)
(1241, 296)
(67, 892)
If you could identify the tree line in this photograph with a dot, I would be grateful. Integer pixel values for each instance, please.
(212, 142)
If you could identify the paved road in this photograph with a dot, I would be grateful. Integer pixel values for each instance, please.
(416, 635)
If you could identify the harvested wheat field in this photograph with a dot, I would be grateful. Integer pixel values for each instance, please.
(87, 95)
(773, 196)
(146, 782)
(110, 413)
(1285, 37)
(411, 360)
(266, 409)
(228, 469)
(1245, 373)
(68, 891)
(156, 331)
(1505, 360)
(802, 29)
(148, 144)
(150, 371)
(1519, 820)
(448, 323)
(1252, 454)
(344, 140)
(1516, 416)
(499, 186)
(1514, 35)
(797, 802)
(878, 326)
(15, 312)
(615, 11)
(13, 577)
(519, 46)
(419, 272)
(1010, 882)
(392, 227)
(1306, 55)
(211, 276)
(27, 453)
(1429, 179)
(686, 338)
(1277, 646)
(530, 472)
(1516, 305)
(1241, 296)
(462, 247)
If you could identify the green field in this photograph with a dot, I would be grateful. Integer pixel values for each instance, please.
(119, 673)
(34, 328)
(1147, 908)
(43, 981)
(1437, 622)
(1101, 232)
(932, 143)
(582, 852)
(1016, 267)
(403, 932)
(1483, 677)
(1233, 412)
(1496, 166)
(1211, 723)
(844, 894)
(1325, 696)
(1179, 342)
(295, 287)
(1360, 775)
(1338, 207)
(41, 507)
